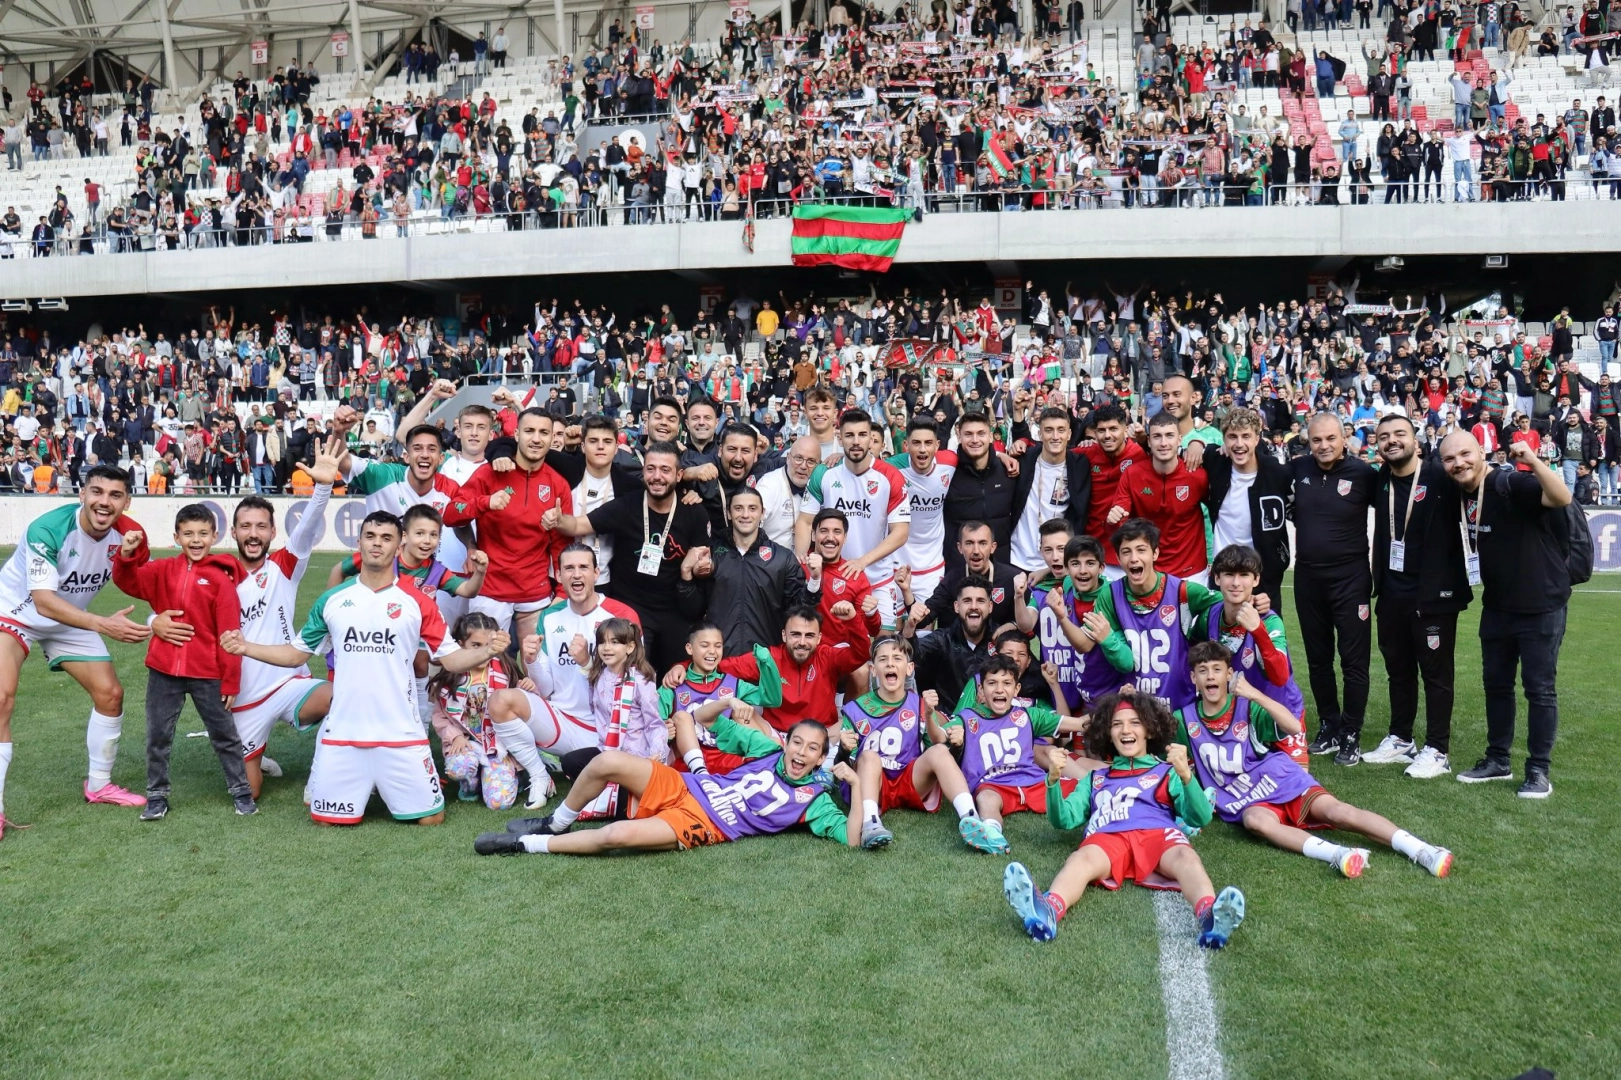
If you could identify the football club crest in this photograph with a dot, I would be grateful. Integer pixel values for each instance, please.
(971, 721)
(1148, 781)
(112, 550)
(1193, 730)
(1418, 493)
(766, 553)
(1344, 487)
(1167, 614)
(749, 482)
(805, 794)
(543, 492)
(1433, 641)
(908, 720)
(1019, 718)
(260, 578)
(872, 487)
(998, 595)
(1181, 493)
(1247, 657)
(1241, 729)
(838, 585)
(1362, 612)
(394, 611)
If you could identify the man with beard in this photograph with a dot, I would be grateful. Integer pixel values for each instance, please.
(1248, 498)
(945, 661)
(1111, 451)
(268, 593)
(928, 471)
(740, 469)
(396, 488)
(981, 488)
(653, 533)
(510, 508)
(474, 427)
(1333, 583)
(872, 495)
(976, 543)
(1422, 584)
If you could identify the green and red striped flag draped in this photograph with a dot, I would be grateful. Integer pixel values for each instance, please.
(1001, 163)
(855, 237)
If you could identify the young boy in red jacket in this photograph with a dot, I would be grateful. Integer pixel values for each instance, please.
(202, 587)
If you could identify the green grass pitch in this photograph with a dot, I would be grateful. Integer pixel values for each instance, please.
(208, 945)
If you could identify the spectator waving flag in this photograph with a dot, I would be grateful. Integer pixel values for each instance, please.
(855, 237)
(1000, 162)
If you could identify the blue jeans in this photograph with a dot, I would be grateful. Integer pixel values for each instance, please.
(1460, 115)
(1567, 469)
(264, 479)
(1529, 643)
(1607, 475)
(1325, 86)
(1463, 172)
(1606, 353)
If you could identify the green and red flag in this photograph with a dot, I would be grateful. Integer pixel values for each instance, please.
(1001, 162)
(854, 237)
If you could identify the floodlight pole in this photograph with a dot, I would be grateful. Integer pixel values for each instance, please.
(357, 47)
(171, 73)
(562, 49)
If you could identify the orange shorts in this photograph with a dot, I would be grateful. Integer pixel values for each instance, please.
(1134, 855)
(666, 797)
(900, 793)
(1295, 810)
(1032, 797)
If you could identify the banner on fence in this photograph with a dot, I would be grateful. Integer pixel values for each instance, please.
(340, 529)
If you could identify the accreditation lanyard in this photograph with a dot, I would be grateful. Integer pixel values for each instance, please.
(1471, 552)
(653, 553)
(1398, 548)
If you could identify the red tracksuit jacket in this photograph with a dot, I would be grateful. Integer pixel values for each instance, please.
(204, 593)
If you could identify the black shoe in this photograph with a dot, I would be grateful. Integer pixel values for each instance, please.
(1486, 769)
(1350, 752)
(1326, 742)
(498, 843)
(529, 826)
(156, 807)
(245, 806)
(1537, 785)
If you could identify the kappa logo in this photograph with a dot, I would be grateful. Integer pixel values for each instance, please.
(347, 603)
(1181, 493)
(998, 595)
(1167, 614)
(1418, 493)
(1344, 488)
(766, 554)
(394, 611)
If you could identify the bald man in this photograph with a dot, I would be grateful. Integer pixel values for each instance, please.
(781, 489)
(1516, 542)
(1334, 582)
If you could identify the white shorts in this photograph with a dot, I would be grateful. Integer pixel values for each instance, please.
(503, 611)
(925, 582)
(255, 720)
(451, 607)
(556, 732)
(60, 644)
(343, 777)
(889, 598)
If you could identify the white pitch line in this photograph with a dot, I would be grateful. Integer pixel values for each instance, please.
(1192, 1032)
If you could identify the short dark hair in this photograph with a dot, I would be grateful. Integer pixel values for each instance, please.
(974, 526)
(665, 400)
(420, 512)
(1054, 526)
(1136, 529)
(669, 448)
(1010, 636)
(901, 643)
(1112, 411)
(1204, 652)
(802, 611)
(107, 472)
(1054, 412)
(745, 430)
(575, 548)
(382, 517)
(697, 627)
(599, 422)
(425, 429)
(534, 410)
(746, 490)
(193, 512)
(254, 502)
(997, 664)
(703, 402)
(855, 416)
(827, 737)
(922, 423)
(830, 513)
(974, 417)
(1084, 544)
(1162, 419)
(1236, 559)
(971, 581)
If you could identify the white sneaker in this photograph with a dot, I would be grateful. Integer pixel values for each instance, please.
(541, 789)
(1429, 764)
(268, 766)
(1390, 751)
(1437, 860)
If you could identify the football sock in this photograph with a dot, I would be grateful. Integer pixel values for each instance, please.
(537, 844)
(964, 805)
(1058, 906)
(5, 763)
(1202, 906)
(695, 761)
(869, 810)
(1408, 844)
(1322, 850)
(564, 816)
(519, 741)
(101, 739)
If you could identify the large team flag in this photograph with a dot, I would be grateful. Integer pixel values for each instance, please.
(855, 237)
(1000, 161)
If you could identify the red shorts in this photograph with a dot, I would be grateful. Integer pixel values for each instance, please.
(1032, 797)
(1135, 855)
(1295, 746)
(900, 793)
(1295, 810)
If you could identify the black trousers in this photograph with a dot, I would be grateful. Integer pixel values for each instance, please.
(165, 695)
(1529, 643)
(1333, 607)
(1415, 645)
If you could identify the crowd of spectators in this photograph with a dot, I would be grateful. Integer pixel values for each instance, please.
(958, 104)
(227, 403)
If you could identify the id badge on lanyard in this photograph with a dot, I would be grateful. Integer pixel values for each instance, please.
(1398, 548)
(1471, 556)
(652, 555)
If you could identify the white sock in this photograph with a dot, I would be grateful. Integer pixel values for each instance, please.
(101, 739)
(964, 805)
(1408, 844)
(519, 741)
(536, 844)
(5, 763)
(564, 816)
(1322, 850)
(695, 761)
(869, 810)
